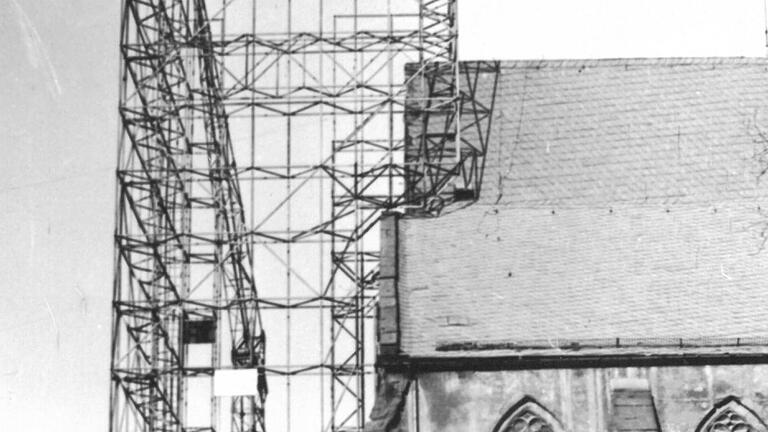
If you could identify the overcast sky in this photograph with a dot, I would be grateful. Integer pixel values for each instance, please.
(58, 135)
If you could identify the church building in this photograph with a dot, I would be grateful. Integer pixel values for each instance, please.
(610, 272)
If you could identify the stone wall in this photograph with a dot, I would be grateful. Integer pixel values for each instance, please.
(582, 400)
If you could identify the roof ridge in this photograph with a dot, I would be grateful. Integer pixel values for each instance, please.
(635, 61)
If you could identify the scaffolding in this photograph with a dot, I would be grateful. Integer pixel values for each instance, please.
(261, 141)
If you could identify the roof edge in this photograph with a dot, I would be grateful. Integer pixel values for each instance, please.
(412, 364)
(628, 62)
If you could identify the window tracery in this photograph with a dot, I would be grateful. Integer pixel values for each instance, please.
(528, 416)
(730, 415)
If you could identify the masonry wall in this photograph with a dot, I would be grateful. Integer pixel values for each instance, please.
(581, 398)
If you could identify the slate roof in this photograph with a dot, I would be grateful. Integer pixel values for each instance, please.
(622, 205)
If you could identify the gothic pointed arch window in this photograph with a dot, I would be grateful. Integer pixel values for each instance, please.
(528, 415)
(730, 415)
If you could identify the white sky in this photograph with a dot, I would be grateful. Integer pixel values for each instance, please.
(518, 29)
(58, 131)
